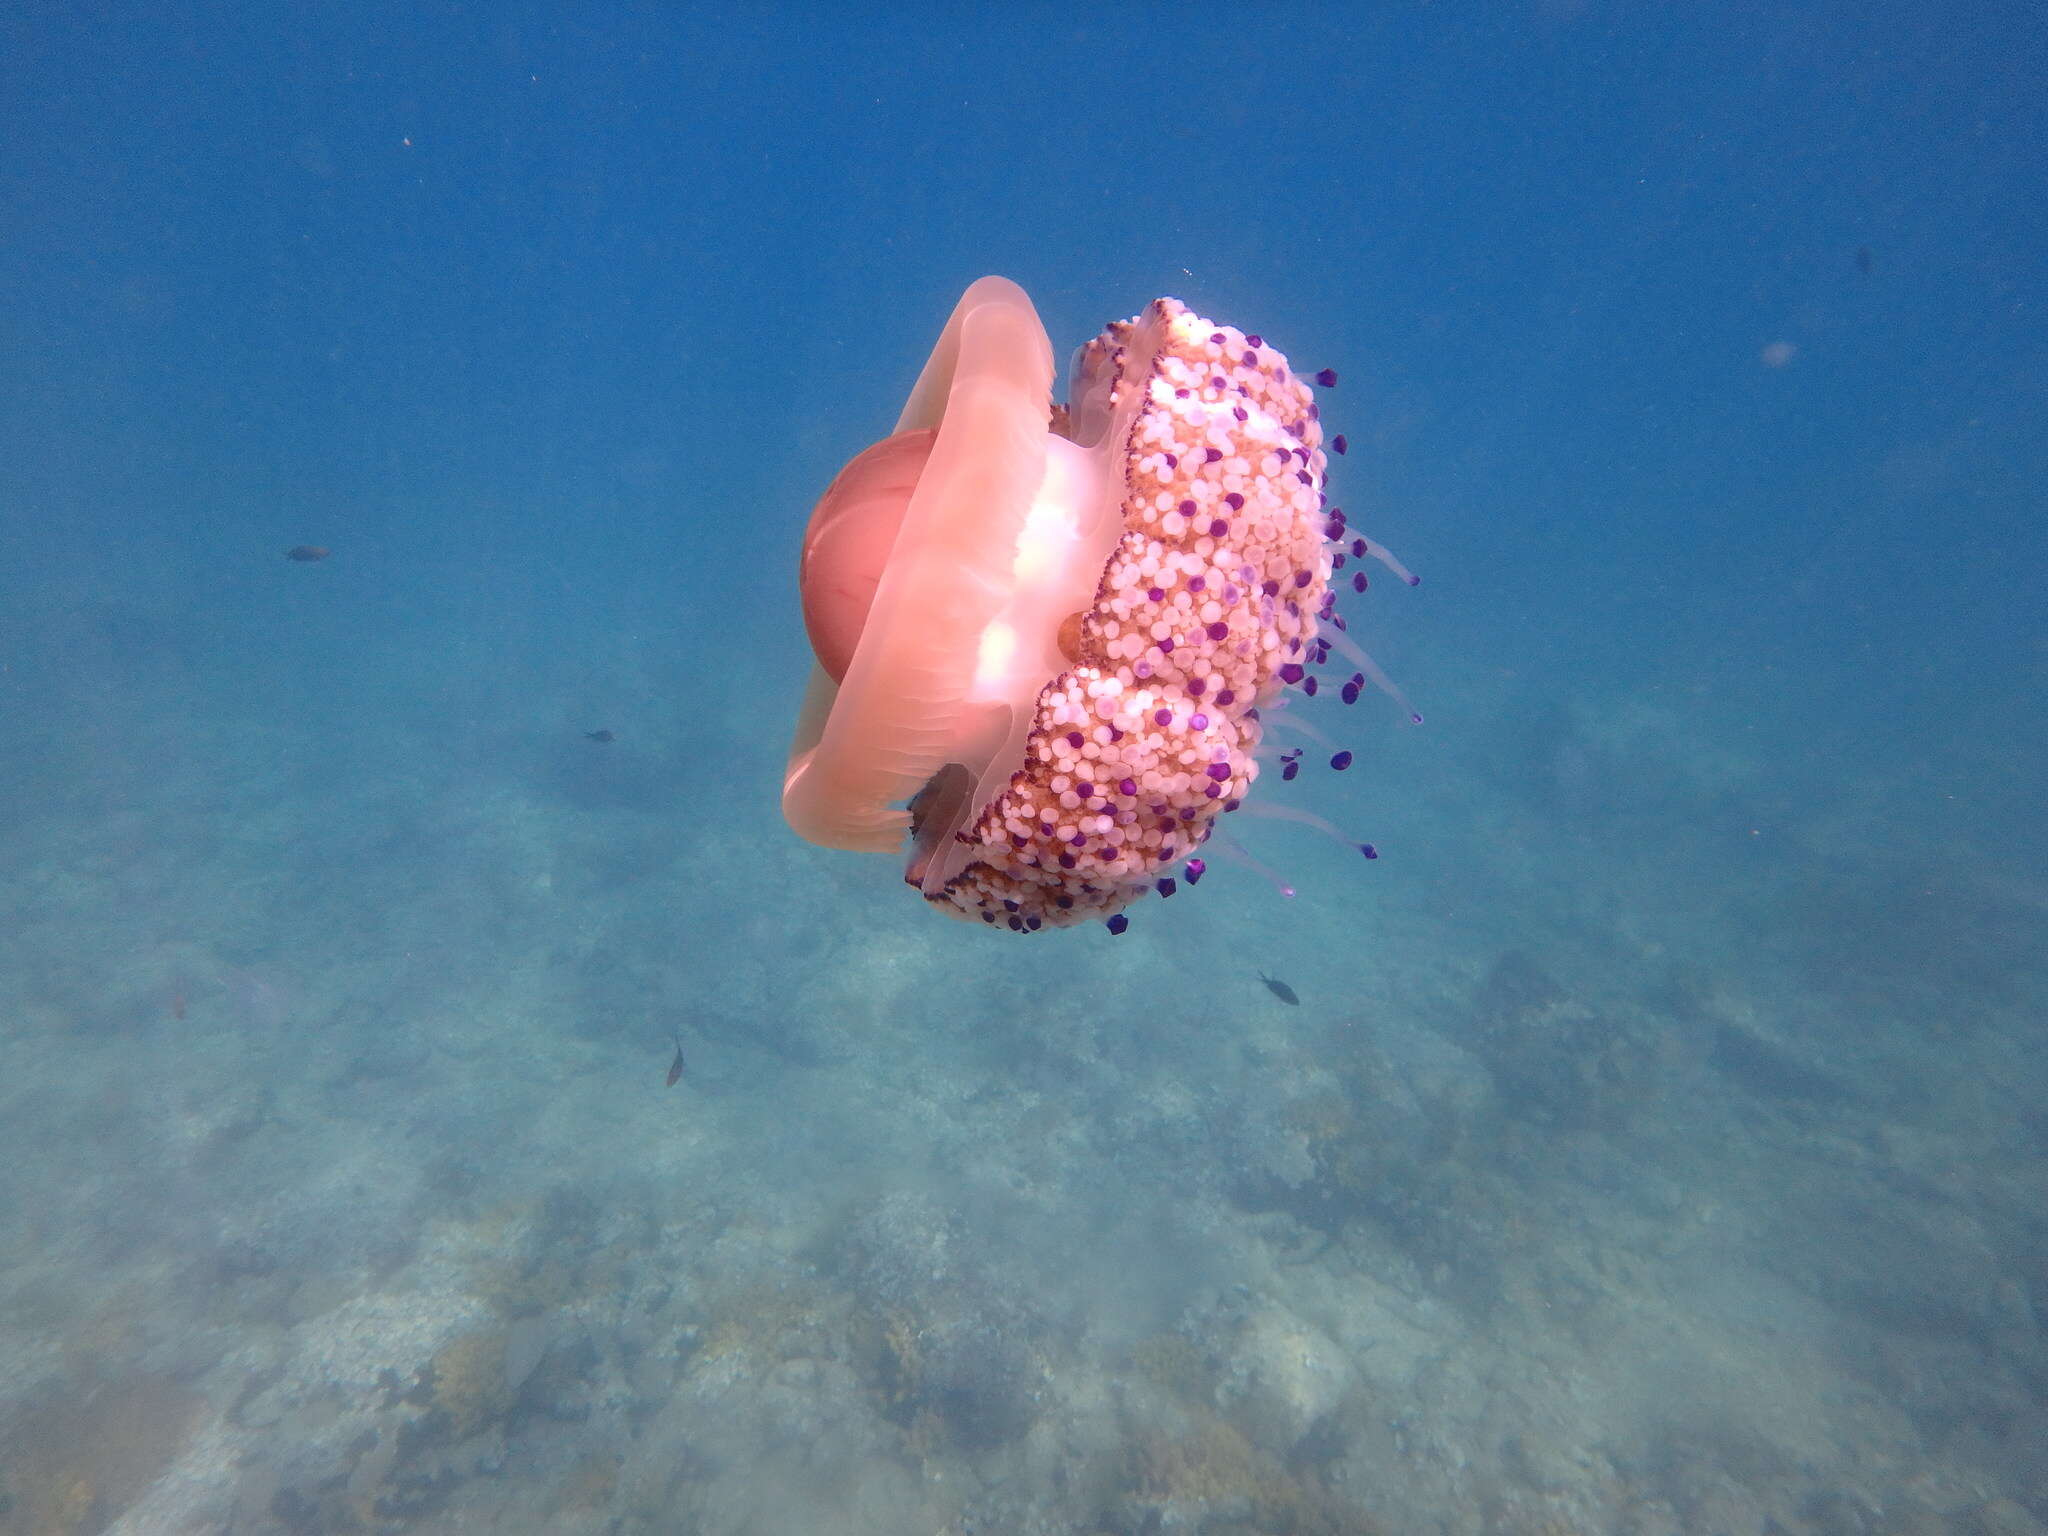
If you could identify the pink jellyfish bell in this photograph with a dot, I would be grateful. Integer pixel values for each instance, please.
(1043, 633)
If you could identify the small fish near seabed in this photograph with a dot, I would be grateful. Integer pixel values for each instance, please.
(676, 1068)
(600, 737)
(1280, 989)
(307, 552)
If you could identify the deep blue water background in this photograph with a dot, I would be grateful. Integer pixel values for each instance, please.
(552, 325)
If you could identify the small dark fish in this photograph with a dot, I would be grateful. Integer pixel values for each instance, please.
(675, 1068)
(1863, 259)
(306, 552)
(1280, 989)
(599, 736)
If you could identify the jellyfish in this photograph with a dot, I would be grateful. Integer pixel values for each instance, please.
(1044, 634)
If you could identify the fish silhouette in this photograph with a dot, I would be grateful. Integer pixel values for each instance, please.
(1280, 989)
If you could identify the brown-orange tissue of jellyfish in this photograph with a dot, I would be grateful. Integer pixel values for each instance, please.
(1044, 634)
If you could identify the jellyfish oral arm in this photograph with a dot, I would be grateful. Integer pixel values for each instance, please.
(1065, 541)
(1346, 647)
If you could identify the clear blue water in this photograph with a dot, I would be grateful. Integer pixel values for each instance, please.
(1658, 1143)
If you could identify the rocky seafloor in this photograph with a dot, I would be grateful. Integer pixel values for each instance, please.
(343, 1195)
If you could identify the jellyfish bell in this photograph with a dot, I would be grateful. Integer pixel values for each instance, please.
(1042, 632)
(846, 547)
(937, 570)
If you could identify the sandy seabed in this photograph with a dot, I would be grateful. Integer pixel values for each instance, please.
(1685, 1191)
